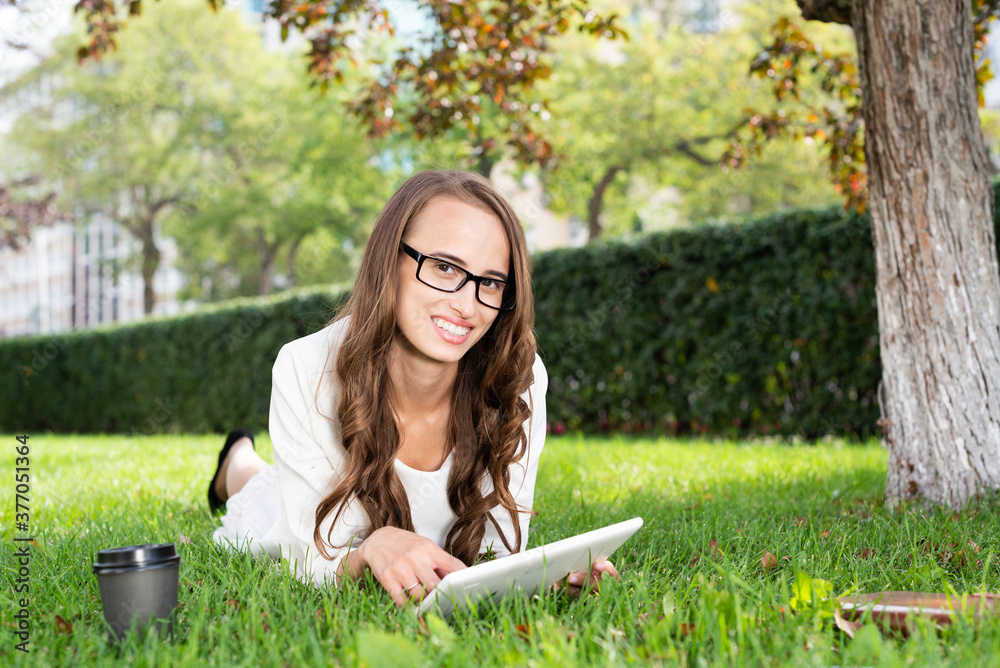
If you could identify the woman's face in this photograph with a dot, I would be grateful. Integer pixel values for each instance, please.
(469, 237)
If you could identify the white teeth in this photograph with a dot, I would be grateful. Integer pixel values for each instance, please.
(448, 327)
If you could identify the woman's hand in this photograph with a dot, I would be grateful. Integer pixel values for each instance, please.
(578, 582)
(407, 565)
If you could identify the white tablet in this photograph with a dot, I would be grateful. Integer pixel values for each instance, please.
(530, 571)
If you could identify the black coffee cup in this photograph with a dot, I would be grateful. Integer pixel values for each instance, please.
(139, 586)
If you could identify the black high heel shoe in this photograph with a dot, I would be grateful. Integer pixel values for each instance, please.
(214, 502)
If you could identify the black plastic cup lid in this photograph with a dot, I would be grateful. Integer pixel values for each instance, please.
(136, 555)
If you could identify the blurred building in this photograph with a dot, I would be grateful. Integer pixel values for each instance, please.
(543, 229)
(79, 276)
(72, 276)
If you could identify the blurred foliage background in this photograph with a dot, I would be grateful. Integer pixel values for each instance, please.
(190, 129)
(631, 128)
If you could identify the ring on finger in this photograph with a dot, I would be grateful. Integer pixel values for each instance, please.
(415, 584)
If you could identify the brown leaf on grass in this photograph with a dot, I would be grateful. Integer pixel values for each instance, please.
(952, 553)
(63, 627)
(685, 629)
(713, 548)
(801, 522)
(694, 560)
(768, 561)
(848, 627)
(234, 604)
(524, 631)
(824, 534)
(961, 557)
(183, 540)
(321, 614)
(865, 553)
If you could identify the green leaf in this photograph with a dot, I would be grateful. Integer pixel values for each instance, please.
(441, 634)
(807, 591)
(377, 648)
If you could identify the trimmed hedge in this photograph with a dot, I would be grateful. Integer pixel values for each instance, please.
(764, 327)
(205, 371)
(761, 328)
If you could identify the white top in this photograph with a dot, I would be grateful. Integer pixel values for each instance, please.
(275, 512)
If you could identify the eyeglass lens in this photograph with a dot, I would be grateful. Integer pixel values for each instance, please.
(448, 277)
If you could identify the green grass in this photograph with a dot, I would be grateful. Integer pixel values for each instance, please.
(818, 509)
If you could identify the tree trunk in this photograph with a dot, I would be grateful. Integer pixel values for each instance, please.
(290, 261)
(266, 254)
(150, 263)
(938, 284)
(596, 203)
(485, 162)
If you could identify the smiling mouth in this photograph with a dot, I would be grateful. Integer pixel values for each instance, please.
(450, 328)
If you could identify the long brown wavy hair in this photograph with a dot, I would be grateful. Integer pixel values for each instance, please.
(485, 430)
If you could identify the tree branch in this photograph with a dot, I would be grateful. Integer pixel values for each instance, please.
(986, 9)
(828, 11)
(155, 207)
(684, 148)
(20, 217)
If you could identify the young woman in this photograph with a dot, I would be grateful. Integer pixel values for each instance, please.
(407, 432)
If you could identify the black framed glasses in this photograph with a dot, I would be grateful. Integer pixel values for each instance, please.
(449, 277)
